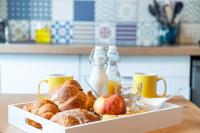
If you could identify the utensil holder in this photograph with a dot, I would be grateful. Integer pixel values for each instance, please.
(168, 34)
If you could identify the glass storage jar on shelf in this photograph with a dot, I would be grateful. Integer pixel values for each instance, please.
(42, 34)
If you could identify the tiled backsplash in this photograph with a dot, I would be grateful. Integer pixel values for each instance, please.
(122, 22)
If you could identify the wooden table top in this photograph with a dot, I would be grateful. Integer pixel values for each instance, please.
(190, 124)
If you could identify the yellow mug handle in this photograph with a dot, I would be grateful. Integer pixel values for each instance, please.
(39, 95)
(165, 85)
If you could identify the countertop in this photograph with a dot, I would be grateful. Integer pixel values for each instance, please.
(181, 50)
(190, 124)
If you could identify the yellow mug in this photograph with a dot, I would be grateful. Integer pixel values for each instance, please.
(149, 84)
(54, 81)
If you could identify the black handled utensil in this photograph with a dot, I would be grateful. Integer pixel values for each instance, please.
(152, 10)
(177, 9)
(157, 7)
(155, 10)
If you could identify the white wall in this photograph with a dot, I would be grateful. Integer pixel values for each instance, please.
(21, 73)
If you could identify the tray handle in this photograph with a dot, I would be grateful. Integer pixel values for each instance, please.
(28, 122)
(19, 118)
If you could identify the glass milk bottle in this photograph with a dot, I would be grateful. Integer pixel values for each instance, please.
(114, 80)
(98, 79)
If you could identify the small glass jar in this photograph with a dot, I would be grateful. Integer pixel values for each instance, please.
(43, 34)
(114, 79)
(98, 79)
(3, 31)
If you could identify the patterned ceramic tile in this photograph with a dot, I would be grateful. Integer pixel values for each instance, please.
(191, 11)
(3, 9)
(126, 34)
(143, 13)
(84, 33)
(18, 31)
(62, 5)
(105, 11)
(38, 24)
(190, 33)
(147, 34)
(126, 10)
(18, 9)
(40, 9)
(105, 33)
(62, 32)
(83, 10)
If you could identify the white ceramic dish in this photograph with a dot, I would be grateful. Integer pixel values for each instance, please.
(150, 104)
(169, 115)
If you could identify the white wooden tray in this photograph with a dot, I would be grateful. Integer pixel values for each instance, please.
(169, 115)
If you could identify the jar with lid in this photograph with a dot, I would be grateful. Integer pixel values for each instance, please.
(114, 80)
(3, 31)
(98, 79)
(43, 34)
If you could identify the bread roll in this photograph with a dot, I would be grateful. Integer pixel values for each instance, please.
(74, 117)
(68, 97)
(71, 96)
(63, 93)
(73, 83)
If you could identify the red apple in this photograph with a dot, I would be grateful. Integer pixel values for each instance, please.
(112, 105)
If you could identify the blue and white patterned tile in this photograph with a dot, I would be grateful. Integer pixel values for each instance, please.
(62, 5)
(19, 30)
(143, 13)
(191, 11)
(190, 33)
(3, 9)
(62, 32)
(105, 11)
(105, 33)
(147, 34)
(126, 10)
(34, 25)
(126, 33)
(84, 33)
(18, 9)
(40, 9)
(84, 10)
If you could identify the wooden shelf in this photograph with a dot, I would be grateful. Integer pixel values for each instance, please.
(192, 50)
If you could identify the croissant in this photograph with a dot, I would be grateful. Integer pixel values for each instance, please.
(28, 108)
(44, 108)
(74, 117)
(90, 100)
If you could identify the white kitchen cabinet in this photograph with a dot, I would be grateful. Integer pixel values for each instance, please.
(21, 73)
(167, 66)
(175, 69)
